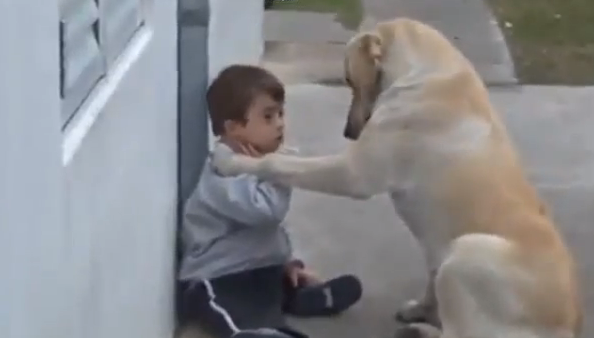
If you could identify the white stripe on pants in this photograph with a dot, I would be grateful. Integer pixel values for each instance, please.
(218, 308)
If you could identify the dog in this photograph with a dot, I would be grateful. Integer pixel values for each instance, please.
(423, 130)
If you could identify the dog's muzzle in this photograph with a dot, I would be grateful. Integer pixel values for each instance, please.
(350, 134)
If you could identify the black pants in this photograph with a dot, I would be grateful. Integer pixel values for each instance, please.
(244, 301)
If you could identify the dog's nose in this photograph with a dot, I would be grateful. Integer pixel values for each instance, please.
(348, 133)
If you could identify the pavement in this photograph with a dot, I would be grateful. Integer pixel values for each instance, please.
(305, 63)
(552, 129)
(469, 24)
(304, 27)
(315, 41)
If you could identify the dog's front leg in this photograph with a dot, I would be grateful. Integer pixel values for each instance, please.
(423, 310)
(335, 175)
(418, 330)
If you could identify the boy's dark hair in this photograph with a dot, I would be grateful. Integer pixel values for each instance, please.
(233, 90)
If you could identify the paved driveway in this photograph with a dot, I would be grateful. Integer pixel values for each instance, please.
(553, 129)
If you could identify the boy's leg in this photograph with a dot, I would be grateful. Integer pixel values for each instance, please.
(326, 299)
(242, 305)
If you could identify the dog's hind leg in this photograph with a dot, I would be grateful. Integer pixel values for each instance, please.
(476, 292)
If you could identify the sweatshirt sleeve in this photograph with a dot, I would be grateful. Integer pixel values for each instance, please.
(246, 199)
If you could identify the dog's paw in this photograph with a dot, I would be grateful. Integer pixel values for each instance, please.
(414, 311)
(222, 160)
(287, 150)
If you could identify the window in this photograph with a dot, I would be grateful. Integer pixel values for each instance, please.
(93, 33)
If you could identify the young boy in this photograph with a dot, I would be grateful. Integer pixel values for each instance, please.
(238, 274)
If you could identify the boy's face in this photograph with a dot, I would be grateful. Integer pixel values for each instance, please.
(265, 125)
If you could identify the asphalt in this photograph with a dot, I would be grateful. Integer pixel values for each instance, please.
(552, 129)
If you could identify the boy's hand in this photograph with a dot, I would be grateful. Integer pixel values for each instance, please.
(300, 276)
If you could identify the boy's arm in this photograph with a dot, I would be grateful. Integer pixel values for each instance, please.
(246, 199)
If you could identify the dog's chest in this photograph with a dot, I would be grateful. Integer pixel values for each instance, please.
(468, 135)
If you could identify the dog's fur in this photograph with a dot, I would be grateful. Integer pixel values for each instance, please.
(425, 132)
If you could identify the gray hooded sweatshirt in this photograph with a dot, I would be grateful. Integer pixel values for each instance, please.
(233, 224)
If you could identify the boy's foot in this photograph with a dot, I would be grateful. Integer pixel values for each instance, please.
(326, 299)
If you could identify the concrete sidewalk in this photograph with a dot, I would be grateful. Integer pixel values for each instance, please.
(467, 23)
(309, 47)
(553, 129)
(304, 27)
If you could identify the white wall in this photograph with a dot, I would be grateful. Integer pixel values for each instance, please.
(33, 243)
(235, 35)
(87, 217)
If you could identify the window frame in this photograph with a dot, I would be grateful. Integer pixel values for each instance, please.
(73, 98)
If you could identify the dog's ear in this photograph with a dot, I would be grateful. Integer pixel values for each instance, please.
(371, 43)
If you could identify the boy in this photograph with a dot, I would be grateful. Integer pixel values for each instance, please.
(238, 276)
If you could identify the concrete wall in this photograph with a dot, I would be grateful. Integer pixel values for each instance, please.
(33, 243)
(121, 192)
(235, 33)
(87, 214)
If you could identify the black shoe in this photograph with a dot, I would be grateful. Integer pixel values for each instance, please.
(261, 333)
(327, 299)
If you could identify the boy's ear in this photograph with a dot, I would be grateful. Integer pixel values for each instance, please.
(230, 127)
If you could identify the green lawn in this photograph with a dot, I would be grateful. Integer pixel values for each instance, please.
(349, 12)
(551, 41)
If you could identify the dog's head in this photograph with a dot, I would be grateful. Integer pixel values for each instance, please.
(363, 74)
(403, 50)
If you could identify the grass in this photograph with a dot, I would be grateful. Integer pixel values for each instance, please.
(551, 41)
(348, 12)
